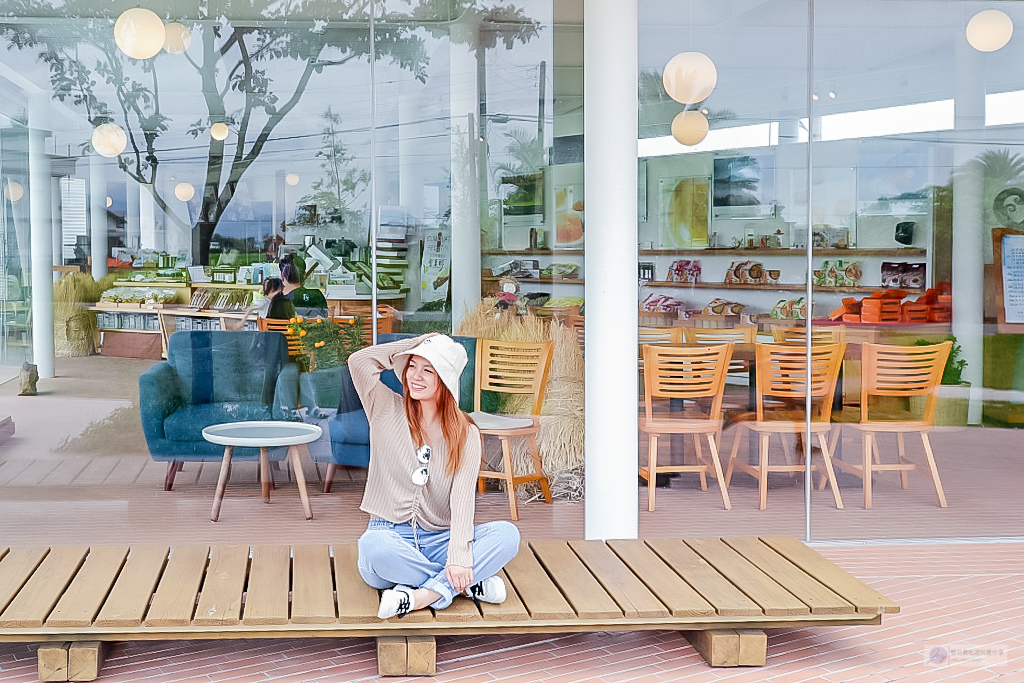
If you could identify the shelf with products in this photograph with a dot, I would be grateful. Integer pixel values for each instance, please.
(539, 280)
(782, 287)
(786, 252)
(532, 252)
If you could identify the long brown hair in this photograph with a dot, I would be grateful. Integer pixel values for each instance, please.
(454, 422)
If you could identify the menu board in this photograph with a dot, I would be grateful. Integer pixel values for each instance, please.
(1008, 252)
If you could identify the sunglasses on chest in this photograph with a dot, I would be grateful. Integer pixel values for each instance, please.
(421, 474)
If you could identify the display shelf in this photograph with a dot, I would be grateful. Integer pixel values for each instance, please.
(532, 252)
(539, 280)
(787, 252)
(782, 287)
(154, 283)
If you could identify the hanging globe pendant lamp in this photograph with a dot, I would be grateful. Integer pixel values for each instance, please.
(139, 33)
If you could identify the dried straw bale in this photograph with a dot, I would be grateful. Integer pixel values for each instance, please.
(562, 414)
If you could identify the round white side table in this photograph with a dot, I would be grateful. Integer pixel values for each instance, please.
(263, 435)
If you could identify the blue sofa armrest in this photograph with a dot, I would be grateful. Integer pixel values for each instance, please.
(160, 395)
(286, 393)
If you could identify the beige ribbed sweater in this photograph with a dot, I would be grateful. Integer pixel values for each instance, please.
(445, 502)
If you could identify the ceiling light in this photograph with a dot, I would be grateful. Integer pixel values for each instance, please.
(184, 191)
(989, 30)
(831, 94)
(814, 96)
(13, 191)
(689, 77)
(690, 127)
(705, 112)
(109, 140)
(292, 179)
(139, 33)
(178, 38)
(219, 131)
(110, 202)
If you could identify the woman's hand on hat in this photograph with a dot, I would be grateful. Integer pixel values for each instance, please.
(460, 578)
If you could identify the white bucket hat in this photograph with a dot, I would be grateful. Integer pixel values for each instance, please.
(448, 357)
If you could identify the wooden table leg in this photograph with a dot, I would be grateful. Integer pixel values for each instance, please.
(222, 483)
(265, 473)
(300, 479)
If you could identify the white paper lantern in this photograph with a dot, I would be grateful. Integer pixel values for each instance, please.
(689, 77)
(989, 30)
(184, 191)
(219, 131)
(690, 127)
(139, 33)
(13, 191)
(177, 38)
(292, 179)
(109, 140)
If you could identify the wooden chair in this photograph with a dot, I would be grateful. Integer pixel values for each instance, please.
(741, 334)
(694, 375)
(575, 323)
(512, 368)
(385, 321)
(647, 336)
(901, 372)
(782, 378)
(276, 325)
(820, 334)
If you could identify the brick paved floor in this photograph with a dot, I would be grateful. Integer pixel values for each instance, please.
(956, 596)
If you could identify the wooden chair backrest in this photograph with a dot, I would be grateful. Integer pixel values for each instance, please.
(782, 373)
(277, 325)
(687, 373)
(575, 323)
(827, 334)
(902, 371)
(385, 321)
(659, 335)
(512, 368)
(741, 334)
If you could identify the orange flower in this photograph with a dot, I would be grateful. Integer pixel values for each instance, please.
(298, 319)
(302, 333)
(319, 320)
(319, 344)
(292, 320)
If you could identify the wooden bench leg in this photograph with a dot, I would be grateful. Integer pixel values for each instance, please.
(85, 659)
(728, 647)
(406, 656)
(53, 661)
(422, 656)
(392, 656)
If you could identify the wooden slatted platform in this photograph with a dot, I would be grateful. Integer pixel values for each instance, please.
(719, 591)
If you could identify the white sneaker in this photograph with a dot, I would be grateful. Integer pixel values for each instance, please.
(395, 602)
(491, 589)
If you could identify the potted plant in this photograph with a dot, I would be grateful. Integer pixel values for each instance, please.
(953, 394)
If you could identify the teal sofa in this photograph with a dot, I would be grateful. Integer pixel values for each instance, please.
(214, 377)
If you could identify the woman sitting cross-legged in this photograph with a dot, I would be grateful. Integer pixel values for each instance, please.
(421, 545)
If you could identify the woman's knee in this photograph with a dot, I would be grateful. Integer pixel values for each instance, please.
(377, 546)
(504, 535)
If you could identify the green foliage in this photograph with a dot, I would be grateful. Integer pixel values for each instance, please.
(955, 365)
(329, 343)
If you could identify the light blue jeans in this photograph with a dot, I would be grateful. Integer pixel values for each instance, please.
(396, 555)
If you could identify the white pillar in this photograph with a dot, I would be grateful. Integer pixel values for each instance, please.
(610, 166)
(465, 280)
(133, 225)
(57, 233)
(41, 241)
(98, 215)
(968, 232)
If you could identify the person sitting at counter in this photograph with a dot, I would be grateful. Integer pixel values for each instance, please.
(308, 302)
(278, 306)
